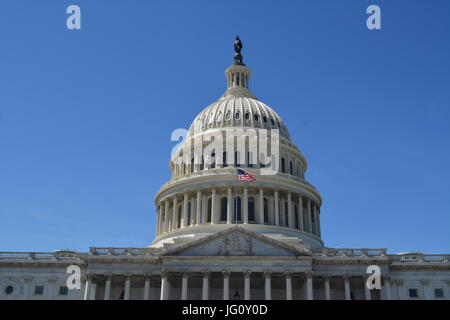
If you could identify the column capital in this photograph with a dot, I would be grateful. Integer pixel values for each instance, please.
(346, 276)
(185, 274)
(424, 282)
(226, 273)
(398, 282)
(309, 274)
(148, 276)
(247, 273)
(268, 274)
(164, 274)
(206, 273)
(288, 274)
(128, 276)
(326, 276)
(109, 276)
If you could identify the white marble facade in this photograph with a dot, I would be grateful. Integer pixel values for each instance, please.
(218, 238)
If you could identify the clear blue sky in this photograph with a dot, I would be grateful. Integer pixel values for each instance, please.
(86, 116)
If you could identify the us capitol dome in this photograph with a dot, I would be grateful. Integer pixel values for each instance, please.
(205, 198)
(234, 222)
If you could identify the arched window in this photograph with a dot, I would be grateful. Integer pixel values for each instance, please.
(237, 217)
(283, 165)
(265, 119)
(202, 165)
(224, 160)
(236, 159)
(228, 116)
(184, 168)
(266, 211)
(208, 216)
(251, 209)
(238, 116)
(213, 158)
(256, 117)
(223, 209)
(180, 213)
(188, 222)
(247, 116)
(296, 217)
(192, 165)
(291, 169)
(250, 159)
(286, 214)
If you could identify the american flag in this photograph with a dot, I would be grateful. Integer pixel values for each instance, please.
(245, 176)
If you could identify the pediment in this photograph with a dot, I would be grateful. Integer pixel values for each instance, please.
(235, 241)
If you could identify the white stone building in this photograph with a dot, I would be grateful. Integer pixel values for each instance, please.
(219, 238)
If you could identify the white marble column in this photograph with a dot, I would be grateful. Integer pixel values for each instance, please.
(147, 279)
(347, 287)
(166, 217)
(424, 284)
(93, 291)
(367, 294)
(205, 287)
(199, 208)
(158, 220)
(326, 281)
(229, 206)
(261, 206)
(309, 286)
(175, 213)
(27, 288)
(245, 205)
(247, 285)
(300, 213)
(87, 287)
(184, 286)
(185, 211)
(290, 216)
(268, 285)
(288, 285)
(213, 207)
(108, 287)
(277, 207)
(204, 209)
(126, 295)
(387, 288)
(226, 284)
(164, 285)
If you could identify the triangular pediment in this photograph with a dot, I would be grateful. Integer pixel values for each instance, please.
(235, 241)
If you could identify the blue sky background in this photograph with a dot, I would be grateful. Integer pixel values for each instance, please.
(86, 116)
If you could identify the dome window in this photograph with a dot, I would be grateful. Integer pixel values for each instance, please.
(228, 116)
(256, 117)
(9, 289)
(247, 116)
(219, 116)
(265, 119)
(273, 123)
(238, 116)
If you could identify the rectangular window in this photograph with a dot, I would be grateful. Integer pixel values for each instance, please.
(439, 293)
(39, 290)
(413, 293)
(63, 291)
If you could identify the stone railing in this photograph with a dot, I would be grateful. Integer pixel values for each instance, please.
(60, 255)
(232, 171)
(439, 258)
(332, 252)
(122, 251)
